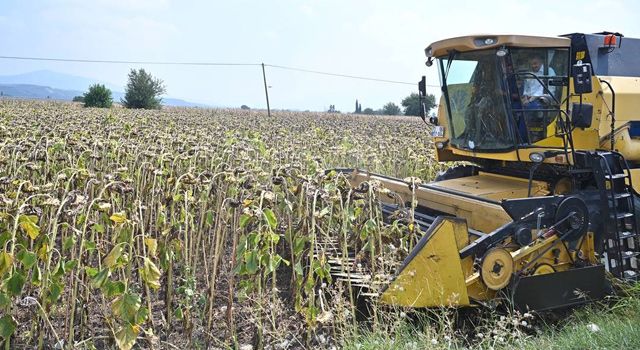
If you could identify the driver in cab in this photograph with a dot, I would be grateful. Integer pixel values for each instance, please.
(534, 95)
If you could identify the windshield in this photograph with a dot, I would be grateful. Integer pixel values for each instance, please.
(476, 101)
(496, 102)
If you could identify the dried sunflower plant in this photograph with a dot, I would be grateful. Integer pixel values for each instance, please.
(192, 228)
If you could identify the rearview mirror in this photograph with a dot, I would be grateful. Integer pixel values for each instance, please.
(422, 92)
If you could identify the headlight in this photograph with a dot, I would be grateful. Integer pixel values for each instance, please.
(437, 131)
(536, 157)
(429, 51)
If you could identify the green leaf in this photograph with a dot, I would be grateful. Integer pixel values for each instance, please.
(275, 238)
(15, 284)
(299, 244)
(210, 218)
(97, 228)
(298, 269)
(150, 274)
(89, 246)
(178, 313)
(111, 258)
(90, 271)
(28, 259)
(6, 262)
(253, 239)
(100, 278)
(244, 220)
(7, 326)
(271, 218)
(36, 276)
(58, 270)
(54, 292)
(251, 259)
(126, 307)
(29, 224)
(70, 265)
(113, 289)
(274, 263)
(142, 315)
(69, 242)
(126, 336)
(4, 300)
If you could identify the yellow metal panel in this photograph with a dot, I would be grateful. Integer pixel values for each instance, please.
(480, 215)
(627, 101)
(468, 43)
(494, 186)
(635, 179)
(432, 274)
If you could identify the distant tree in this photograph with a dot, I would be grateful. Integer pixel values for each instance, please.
(411, 104)
(98, 96)
(245, 107)
(143, 90)
(358, 108)
(78, 99)
(391, 109)
(368, 111)
(332, 109)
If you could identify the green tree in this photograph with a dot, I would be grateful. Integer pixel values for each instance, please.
(78, 99)
(143, 90)
(368, 111)
(391, 109)
(97, 96)
(411, 104)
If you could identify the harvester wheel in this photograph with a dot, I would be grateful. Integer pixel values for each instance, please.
(496, 268)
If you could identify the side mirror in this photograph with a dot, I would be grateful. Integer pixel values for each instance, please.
(581, 74)
(422, 92)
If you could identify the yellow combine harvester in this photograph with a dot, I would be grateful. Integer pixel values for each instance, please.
(552, 128)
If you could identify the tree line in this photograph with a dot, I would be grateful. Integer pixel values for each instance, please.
(142, 91)
(410, 106)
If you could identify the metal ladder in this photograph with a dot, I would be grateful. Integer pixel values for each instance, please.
(622, 245)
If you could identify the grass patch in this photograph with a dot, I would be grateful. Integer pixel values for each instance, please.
(612, 324)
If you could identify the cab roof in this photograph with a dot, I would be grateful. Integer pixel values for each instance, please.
(486, 41)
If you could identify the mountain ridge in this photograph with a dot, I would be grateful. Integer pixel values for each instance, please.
(46, 84)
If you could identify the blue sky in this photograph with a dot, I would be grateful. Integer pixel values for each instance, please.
(380, 39)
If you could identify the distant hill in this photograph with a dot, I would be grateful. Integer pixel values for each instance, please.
(54, 79)
(44, 84)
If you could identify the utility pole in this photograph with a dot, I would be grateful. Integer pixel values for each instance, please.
(266, 90)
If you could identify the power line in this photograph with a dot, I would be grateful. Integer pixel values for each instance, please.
(177, 63)
(127, 62)
(339, 75)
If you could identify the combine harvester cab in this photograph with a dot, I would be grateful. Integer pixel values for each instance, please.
(548, 207)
